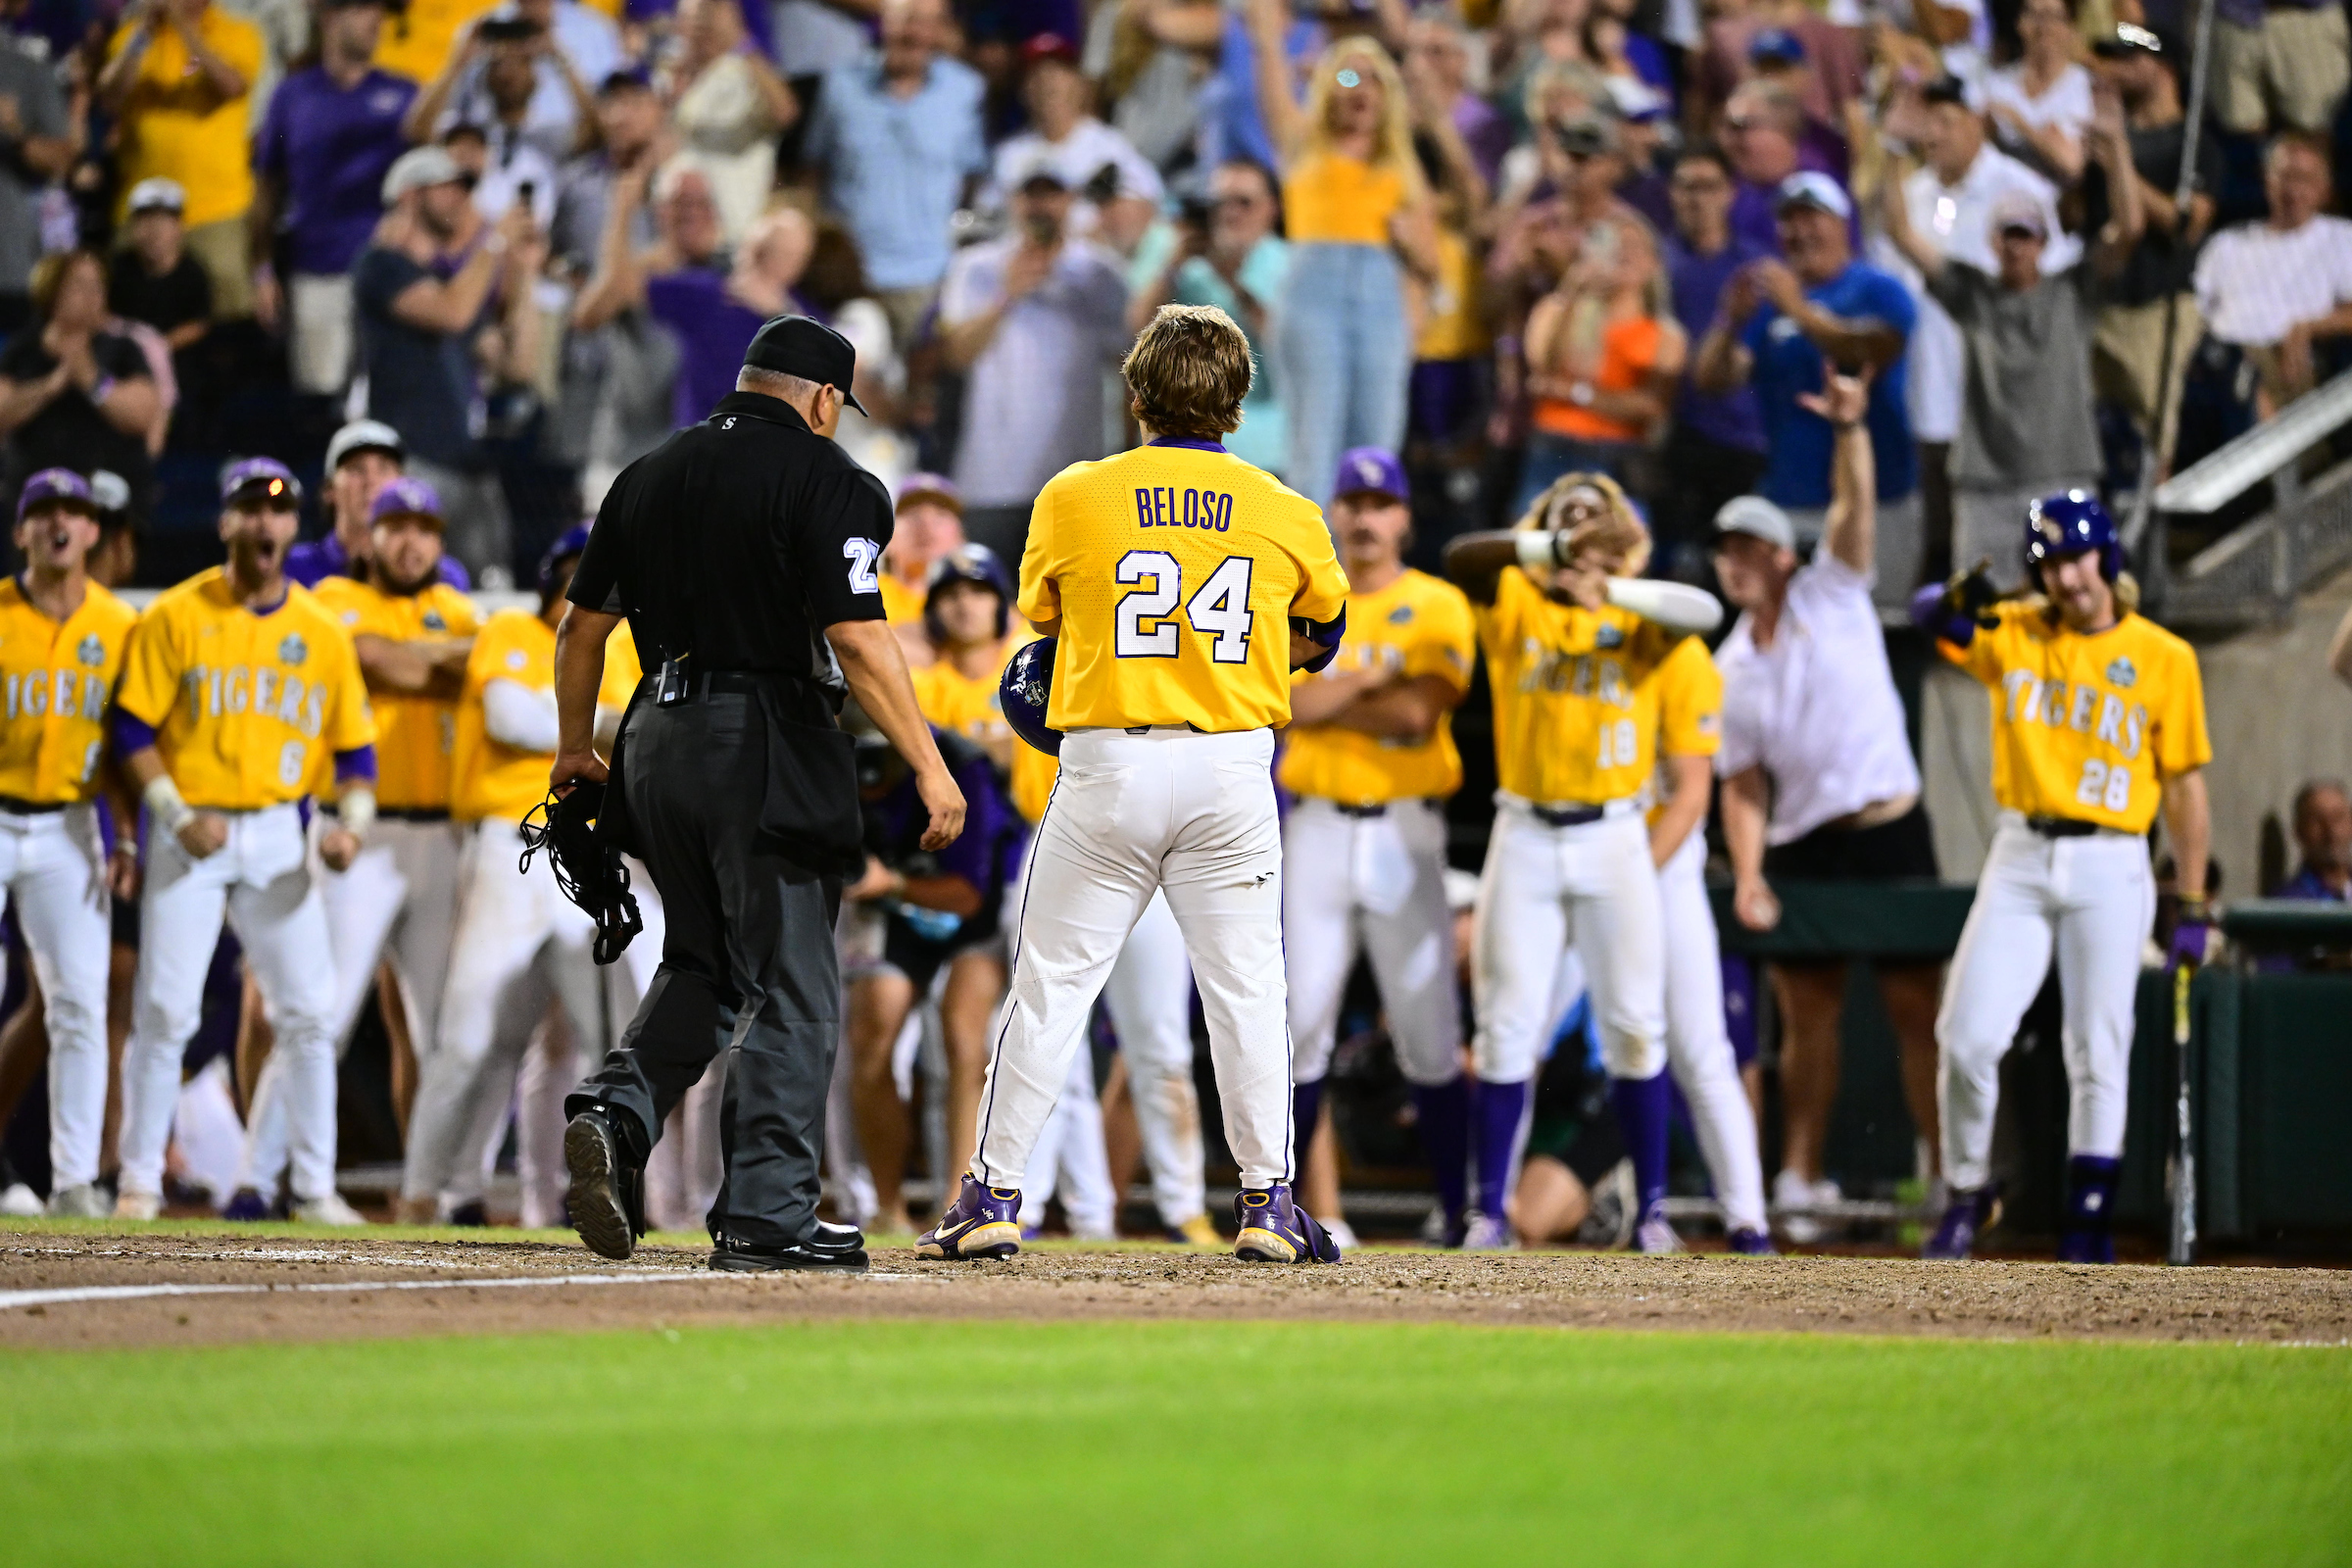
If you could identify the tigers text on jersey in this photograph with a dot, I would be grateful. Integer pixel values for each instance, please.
(415, 735)
(58, 678)
(2088, 727)
(1578, 695)
(244, 706)
(975, 709)
(1417, 625)
(1175, 570)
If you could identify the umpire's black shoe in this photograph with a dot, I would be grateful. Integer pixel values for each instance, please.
(599, 1197)
(838, 1249)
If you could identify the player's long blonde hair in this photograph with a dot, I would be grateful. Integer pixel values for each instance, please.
(1393, 148)
(1621, 528)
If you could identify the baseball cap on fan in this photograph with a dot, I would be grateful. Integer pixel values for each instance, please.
(795, 345)
(1758, 518)
(1809, 187)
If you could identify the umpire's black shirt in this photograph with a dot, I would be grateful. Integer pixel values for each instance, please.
(735, 542)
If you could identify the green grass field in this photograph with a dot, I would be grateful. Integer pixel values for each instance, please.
(1177, 1443)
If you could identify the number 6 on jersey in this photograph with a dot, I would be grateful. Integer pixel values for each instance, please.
(1219, 608)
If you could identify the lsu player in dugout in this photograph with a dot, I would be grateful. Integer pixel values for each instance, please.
(1370, 757)
(1579, 652)
(411, 631)
(1182, 585)
(237, 684)
(2098, 720)
(61, 644)
(928, 527)
(519, 942)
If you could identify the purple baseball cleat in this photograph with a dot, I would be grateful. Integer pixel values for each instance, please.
(1750, 1242)
(982, 1222)
(1276, 1230)
(1972, 1210)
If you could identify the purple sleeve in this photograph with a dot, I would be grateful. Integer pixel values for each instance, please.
(358, 762)
(132, 734)
(974, 856)
(1934, 615)
(453, 573)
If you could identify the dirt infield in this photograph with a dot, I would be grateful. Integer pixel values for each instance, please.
(188, 1289)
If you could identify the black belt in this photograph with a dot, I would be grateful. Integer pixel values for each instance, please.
(15, 807)
(2061, 827)
(1568, 815)
(1375, 810)
(397, 813)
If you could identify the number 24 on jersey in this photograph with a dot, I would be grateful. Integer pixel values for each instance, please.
(1218, 609)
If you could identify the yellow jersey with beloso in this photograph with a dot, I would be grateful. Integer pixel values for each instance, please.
(243, 705)
(1176, 571)
(1579, 694)
(2088, 727)
(57, 678)
(415, 735)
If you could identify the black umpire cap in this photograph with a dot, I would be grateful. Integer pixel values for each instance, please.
(796, 345)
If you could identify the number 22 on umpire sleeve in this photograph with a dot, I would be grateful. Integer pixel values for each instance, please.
(862, 554)
(1219, 608)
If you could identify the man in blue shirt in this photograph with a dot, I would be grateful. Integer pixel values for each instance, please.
(897, 135)
(331, 134)
(2322, 818)
(1780, 324)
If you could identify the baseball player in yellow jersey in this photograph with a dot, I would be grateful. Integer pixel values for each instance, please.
(519, 942)
(237, 682)
(61, 641)
(1578, 653)
(411, 631)
(1698, 1044)
(1370, 755)
(1182, 586)
(929, 527)
(1148, 994)
(2098, 717)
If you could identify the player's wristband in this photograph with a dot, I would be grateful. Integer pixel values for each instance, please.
(1539, 549)
(357, 810)
(167, 805)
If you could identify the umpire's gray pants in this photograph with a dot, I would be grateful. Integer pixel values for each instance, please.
(748, 964)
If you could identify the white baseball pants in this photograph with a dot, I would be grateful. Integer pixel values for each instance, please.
(1149, 999)
(1379, 881)
(1544, 887)
(53, 870)
(260, 880)
(520, 944)
(1699, 1047)
(1069, 1158)
(400, 894)
(2091, 900)
(1170, 809)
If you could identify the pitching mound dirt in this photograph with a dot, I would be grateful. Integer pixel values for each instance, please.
(61, 1291)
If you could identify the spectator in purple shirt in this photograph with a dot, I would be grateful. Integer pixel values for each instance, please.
(1764, 132)
(1717, 449)
(364, 456)
(1440, 47)
(331, 134)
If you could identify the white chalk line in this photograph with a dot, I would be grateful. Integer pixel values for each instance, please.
(11, 1300)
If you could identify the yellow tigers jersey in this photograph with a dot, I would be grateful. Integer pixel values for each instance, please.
(901, 602)
(2088, 727)
(58, 677)
(246, 707)
(1417, 625)
(415, 735)
(1690, 710)
(1577, 694)
(1175, 572)
(974, 710)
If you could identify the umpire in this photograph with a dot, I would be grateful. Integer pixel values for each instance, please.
(742, 551)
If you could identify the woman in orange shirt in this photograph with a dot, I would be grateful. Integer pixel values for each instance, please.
(1604, 353)
(1358, 217)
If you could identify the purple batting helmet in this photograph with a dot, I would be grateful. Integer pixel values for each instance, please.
(2072, 522)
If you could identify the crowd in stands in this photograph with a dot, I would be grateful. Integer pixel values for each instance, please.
(1510, 240)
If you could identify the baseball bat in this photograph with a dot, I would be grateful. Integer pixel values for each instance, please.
(2182, 1248)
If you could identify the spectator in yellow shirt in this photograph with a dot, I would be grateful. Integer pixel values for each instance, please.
(179, 78)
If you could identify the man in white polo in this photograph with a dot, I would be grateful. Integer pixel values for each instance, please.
(1818, 780)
